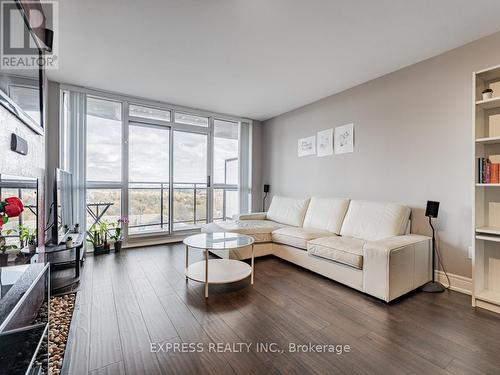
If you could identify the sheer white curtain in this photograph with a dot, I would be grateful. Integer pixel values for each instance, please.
(72, 148)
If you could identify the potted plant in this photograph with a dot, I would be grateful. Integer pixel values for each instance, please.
(487, 94)
(69, 242)
(28, 237)
(103, 228)
(4, 257)
(116, 234)
(96, 238)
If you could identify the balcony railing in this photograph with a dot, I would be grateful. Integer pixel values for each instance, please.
(149, 205)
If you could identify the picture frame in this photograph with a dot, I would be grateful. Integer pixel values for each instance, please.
(344, 139)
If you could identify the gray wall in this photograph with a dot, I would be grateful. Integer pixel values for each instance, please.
(412, 144)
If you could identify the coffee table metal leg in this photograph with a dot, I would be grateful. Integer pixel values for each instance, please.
(253, 256)
(187, 261)
(206, 273)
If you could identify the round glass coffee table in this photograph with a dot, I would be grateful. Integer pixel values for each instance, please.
(218, 271)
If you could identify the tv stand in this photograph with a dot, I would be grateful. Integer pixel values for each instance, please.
(61, 257)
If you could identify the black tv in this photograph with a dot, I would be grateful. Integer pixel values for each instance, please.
(63, 206)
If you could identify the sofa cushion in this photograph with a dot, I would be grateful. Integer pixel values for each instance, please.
(260, 230)
(297, 237)
(345, 250)
(326, 214)
(288, 211)
(375, 220)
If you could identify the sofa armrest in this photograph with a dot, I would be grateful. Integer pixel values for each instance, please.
(251, 216)
(396, 265)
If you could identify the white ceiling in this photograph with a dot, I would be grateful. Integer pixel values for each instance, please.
(255, 58)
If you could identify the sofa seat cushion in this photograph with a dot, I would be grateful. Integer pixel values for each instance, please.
(260, 230)
(297, 237)
(345, 250)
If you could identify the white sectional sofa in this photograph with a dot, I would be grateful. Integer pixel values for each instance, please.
(365, 245)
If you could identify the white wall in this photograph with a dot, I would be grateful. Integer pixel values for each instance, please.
(413, 143)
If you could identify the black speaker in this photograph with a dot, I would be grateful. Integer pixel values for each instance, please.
(432, 209)
(18, 144)
(49, 39)
(266, 188)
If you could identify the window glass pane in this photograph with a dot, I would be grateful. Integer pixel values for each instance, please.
(148, 208)
(190, 157)
(232, 203)
(103, 204)
(147, 112)
(148, 153)
(27, 217)
(104, 140)
(218, 204)
(225, 204)
(185, 118)
(226, 152)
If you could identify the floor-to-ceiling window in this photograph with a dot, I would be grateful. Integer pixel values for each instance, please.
(226, 169)
(103, 160)
(167, 170)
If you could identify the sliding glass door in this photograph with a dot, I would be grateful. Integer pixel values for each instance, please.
(190, 188)
(149, 177)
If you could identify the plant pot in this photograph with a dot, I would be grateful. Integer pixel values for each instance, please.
(32, 247)
(107, 246)
(98, 250)
(3, 259)
(118, 246)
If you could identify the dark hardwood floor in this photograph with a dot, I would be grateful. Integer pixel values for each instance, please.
(140, 296)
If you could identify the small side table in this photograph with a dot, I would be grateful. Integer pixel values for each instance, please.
(222, 271)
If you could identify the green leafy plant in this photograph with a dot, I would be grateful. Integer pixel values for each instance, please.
(27, 235)
(116, 229)
(95, 236)
(3, 244)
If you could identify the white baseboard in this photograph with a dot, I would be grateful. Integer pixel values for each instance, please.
(458, 283)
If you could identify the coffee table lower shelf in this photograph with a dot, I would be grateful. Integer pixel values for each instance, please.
(220, 271)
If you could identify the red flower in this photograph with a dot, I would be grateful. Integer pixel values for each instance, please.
(14, 207)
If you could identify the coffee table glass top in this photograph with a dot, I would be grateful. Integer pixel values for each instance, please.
(218, 241)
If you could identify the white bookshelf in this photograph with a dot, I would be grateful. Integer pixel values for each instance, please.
(486, 200)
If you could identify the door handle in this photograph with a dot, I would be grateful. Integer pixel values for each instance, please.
(208, 181)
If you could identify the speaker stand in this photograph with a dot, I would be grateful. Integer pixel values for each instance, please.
(433, 286)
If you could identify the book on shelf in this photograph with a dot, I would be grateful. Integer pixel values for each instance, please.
(494, 173)
(488, 172)
(479, 170)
